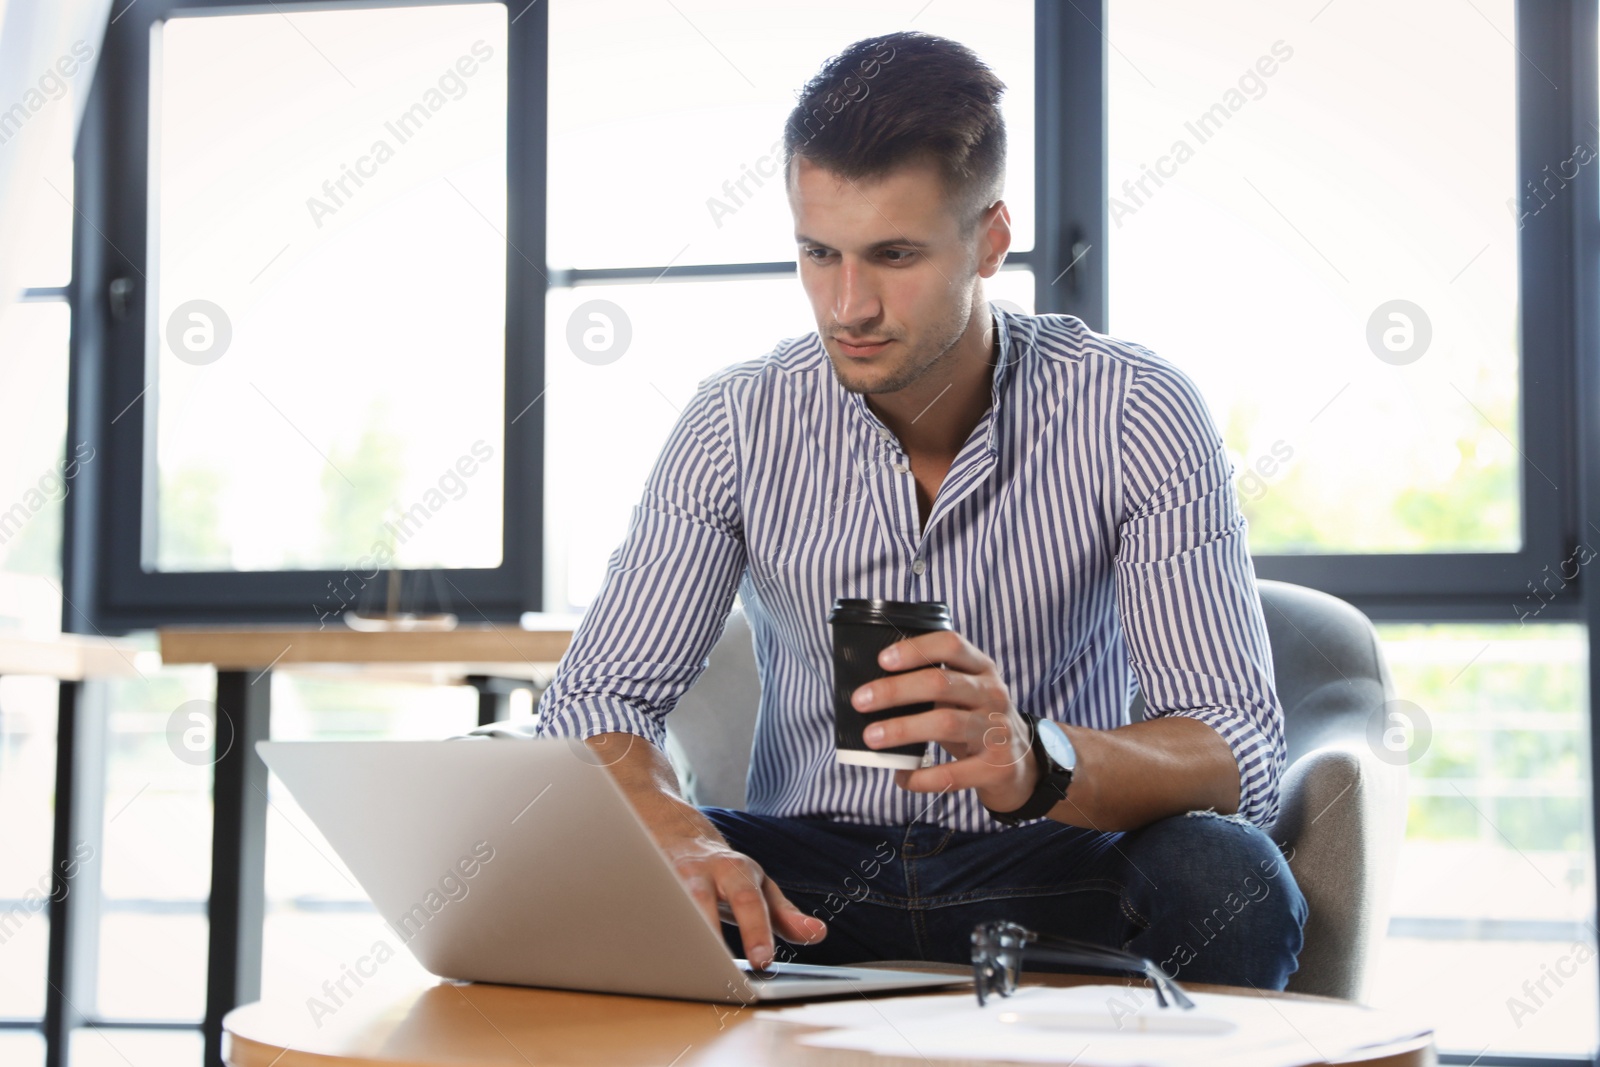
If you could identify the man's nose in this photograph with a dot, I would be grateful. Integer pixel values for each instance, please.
(856, 299)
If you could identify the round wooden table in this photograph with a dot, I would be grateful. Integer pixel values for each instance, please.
(452, 1024)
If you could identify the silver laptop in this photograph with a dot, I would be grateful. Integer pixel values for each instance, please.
(523, 863)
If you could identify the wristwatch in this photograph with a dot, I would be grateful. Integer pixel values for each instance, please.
(1056, 759)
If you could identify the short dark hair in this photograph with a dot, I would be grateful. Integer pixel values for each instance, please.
(905, 98)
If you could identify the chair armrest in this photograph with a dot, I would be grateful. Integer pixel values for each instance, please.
(1340, 823)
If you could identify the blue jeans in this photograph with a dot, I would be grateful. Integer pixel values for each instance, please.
(1207, 897)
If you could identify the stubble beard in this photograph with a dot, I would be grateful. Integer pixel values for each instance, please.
(913, 367)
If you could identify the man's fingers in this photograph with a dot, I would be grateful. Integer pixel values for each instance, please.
(974, 772)
(792, 923)
(739, 887)
(958, 729)
(940, 646)
(704, 892)
(731, 887)
(939, 685)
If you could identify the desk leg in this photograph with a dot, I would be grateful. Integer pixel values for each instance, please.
(238, 850)
(76, 854)
(494, 696)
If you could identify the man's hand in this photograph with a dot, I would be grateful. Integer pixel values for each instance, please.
(1126, 777)
(973, 719)
(715, 875)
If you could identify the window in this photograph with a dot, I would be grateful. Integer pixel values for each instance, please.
(40, 472)
(153, 865)
(322, 372)
(328, 292)
(27, 762)
(1496, 880)
(36, 478)
(1339, 277)
(1330, 219)
(1352, 287)
(670, 232)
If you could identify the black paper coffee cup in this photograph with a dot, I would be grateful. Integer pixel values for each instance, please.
(861, 630)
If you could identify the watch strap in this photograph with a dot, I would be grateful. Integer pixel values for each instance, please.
(1046, 793)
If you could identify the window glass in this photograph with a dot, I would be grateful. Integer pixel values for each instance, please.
(39, 470)
(658, 349)
(1317, 218)
(639, 176)
(155, 864)
(1492, 935)
(101, 1046)
(22, 1048)
(44, 253)
(27, 786)
(327, 295)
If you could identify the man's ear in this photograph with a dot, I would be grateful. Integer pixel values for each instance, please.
(994, 238)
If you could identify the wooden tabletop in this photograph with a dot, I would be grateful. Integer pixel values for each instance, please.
(509, 649)
(455, 1024)
(73, 657)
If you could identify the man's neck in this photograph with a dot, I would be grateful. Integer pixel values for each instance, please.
(935, 416)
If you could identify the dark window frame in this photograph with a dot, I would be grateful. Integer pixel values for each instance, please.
(1069, 261)
(1481, 586)
(109, 589)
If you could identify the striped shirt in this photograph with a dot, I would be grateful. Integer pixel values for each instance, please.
(1087, 538)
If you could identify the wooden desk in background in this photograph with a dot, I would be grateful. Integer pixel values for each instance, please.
(493, 659)
(467, 655)
(72, 657)
(453, 1025)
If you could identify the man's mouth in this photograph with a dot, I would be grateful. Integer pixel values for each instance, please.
(863, 347)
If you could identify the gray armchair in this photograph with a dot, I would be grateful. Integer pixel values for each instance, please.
(1342, 814)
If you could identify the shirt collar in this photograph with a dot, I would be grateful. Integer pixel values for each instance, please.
(1006, 357)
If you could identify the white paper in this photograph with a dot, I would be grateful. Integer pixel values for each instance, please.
(1268, 1031)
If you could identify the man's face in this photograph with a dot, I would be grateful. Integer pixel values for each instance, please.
(883, 263)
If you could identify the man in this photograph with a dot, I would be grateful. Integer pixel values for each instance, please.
(1066, 493)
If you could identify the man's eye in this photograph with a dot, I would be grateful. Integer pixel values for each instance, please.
(816, 253)
(904, 256)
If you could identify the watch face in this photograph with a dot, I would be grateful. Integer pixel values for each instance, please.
(1056, 745)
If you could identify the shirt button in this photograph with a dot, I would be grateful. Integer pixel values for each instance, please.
(917, 567)
(884, 433)
(901, 468)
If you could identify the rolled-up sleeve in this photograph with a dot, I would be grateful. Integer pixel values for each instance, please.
(667, 591)
(1186, 586)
